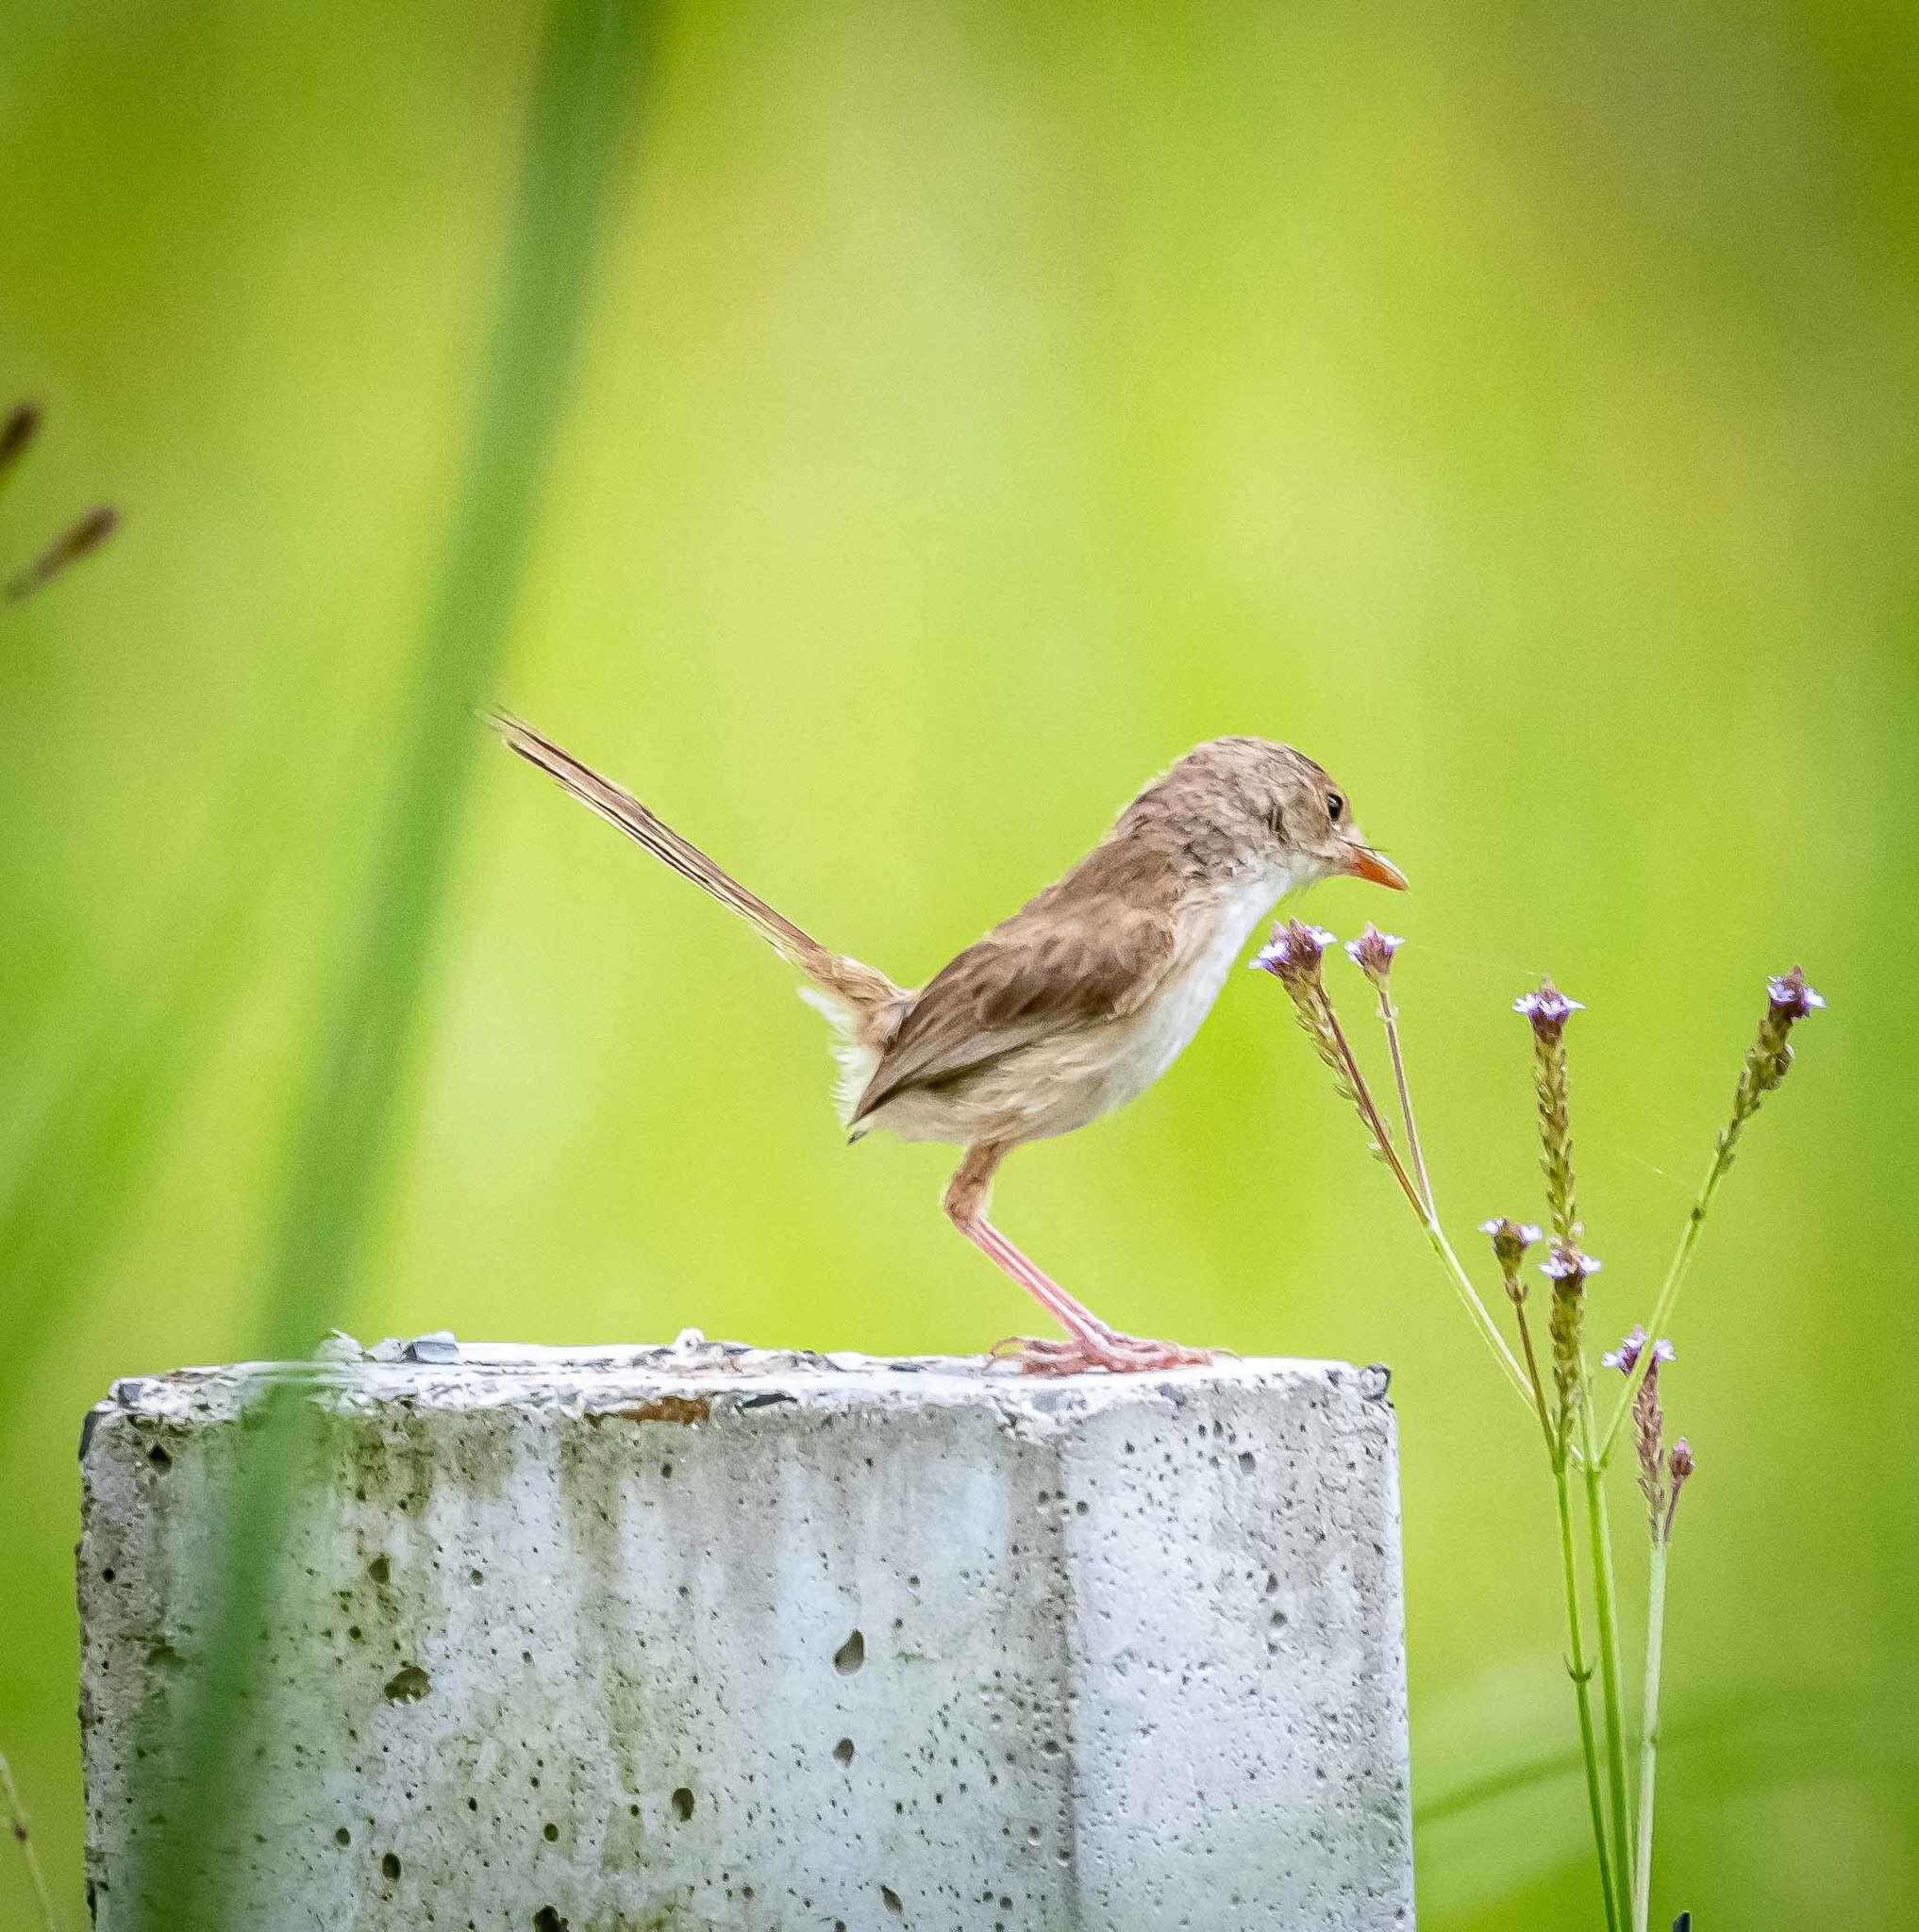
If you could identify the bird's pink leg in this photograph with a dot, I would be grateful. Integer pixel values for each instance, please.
(1094, 1345)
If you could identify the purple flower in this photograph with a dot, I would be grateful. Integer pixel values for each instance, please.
(1548, 1010)
(1372, 951)
(1678, 1467)
(1511, 1240)
(1792, 998)
(1294, 950)
(1569, 1264)
(1626, 1357)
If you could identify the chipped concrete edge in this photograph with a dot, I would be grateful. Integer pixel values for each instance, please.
(686, 1380)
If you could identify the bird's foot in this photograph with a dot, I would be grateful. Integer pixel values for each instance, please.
(1118, 1355)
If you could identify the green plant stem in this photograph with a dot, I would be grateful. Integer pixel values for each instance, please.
(1388, 1016)
(1533, 1376)
(1669, 1293)
(1649, 1735)
(1421, 1204)
(1606, 1619)
(1581, 1673)
(17, 1823)
(1369, 1112)
(1482, 1319)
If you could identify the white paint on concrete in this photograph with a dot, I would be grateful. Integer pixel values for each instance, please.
(706, 1637)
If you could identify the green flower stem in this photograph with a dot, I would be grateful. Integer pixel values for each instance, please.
(1533, 1376)
(1605, 1617)
(1469, 1296)
(1669, 1291)
(1347, 1064)
(16, 1822)
(1333, 1034)
(1581, 1673)
(1649, 1735)
(1389, 1017)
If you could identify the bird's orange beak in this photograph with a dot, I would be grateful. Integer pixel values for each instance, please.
(1367, 864)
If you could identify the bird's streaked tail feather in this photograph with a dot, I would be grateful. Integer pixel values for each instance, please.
(845, 982)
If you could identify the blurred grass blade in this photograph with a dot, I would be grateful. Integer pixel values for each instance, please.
(74, 1182)
(14, 1814)
(590, 67)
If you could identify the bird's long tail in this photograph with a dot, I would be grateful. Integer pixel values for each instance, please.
(865, 993)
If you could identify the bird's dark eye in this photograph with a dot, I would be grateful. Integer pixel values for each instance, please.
(1335, 806)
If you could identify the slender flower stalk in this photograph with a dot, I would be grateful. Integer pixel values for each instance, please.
(1768, 1060)
(1511, 1240)
(1372, 952)
(1581, 1673)
(17, 1822)
(1660, 1477)
(1569, 1270)
(1605, 1620)
(1547, 1011)
(1294, 957)
(1649, 1734)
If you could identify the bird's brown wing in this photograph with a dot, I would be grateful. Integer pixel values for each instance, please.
(1025, 980)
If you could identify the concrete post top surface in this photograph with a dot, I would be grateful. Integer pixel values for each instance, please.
(439, 1371)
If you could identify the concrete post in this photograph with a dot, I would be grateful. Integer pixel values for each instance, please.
(706, 1637)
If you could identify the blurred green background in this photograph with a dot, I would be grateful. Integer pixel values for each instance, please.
(1517, 406)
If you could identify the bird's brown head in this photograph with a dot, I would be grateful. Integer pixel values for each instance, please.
(1238, 805)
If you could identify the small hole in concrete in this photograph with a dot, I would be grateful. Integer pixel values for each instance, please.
(666, 1469)
(342, 1837)
(551, 1834)
(407, 1685)
(547, 1920)
(890, 1899)
(1247, 1464)
(682, 1804)
(390, 1866)
(843, 1749)
(159, 1457)
(475, 1577)
(379, 1570)
(850, 1655)
(108, 1575)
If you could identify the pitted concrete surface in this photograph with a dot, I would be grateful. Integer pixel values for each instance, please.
(706, 1637)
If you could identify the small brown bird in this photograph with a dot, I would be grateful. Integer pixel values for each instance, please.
(1069, 1008)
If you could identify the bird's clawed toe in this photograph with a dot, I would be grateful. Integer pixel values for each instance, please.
(1117, 1354)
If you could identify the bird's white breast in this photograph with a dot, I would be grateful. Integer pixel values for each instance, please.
(1160, 1031)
